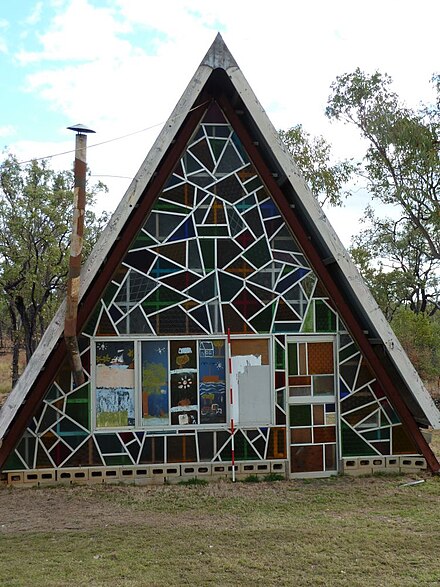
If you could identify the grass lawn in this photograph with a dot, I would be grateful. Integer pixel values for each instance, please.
(340, 531)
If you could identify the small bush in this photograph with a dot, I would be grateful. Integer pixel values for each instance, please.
(274, 477)
(194, 481)
(251, 479)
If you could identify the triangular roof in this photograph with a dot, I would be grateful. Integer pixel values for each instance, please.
(219, 76)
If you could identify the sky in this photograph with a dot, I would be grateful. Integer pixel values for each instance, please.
(120, 66)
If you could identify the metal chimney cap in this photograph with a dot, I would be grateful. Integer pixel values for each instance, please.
(80, 128)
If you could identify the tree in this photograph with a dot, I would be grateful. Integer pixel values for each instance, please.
(402, 169)
(420, 337)
(35, 224)
(314, 159)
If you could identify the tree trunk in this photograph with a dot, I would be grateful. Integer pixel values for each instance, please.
(15, 339)
(28, 320)
(14, 362)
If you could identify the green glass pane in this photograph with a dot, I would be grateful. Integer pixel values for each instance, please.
(162, 205)
(160, 299)
(379, 434)
(229, 286)
(217, 146)
(308, 324)
(243, 449)
(352, 444)
(258, 254)
(79, 412)
(142, 240)
(80, 395)
(110, 293)
(213, 231)
(26, 449)
(325, 319)
(292, 359)
(208, 246)
(300, 415)
(347, 352)
(263, 322)
(13, 463)
(116, 460)
(279, 356)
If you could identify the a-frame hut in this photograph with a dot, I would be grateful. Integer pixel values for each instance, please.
(222, 325)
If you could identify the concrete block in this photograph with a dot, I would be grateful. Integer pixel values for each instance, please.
(220, 470)
(392, 464)
(412, 464)
(378, 464)
(39, 477)
(196, 471)
(96, 475)
(278, 467)
(15, 478)
(72, 475)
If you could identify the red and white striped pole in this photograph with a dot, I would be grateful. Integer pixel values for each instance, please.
(231, 403)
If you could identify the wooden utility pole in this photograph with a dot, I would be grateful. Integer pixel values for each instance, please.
(76, 243)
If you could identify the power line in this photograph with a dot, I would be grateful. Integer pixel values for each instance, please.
(111, 140)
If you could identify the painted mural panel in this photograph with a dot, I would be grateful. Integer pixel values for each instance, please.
(212, 381)
(115, 384)
(183, 382)
(155, 404)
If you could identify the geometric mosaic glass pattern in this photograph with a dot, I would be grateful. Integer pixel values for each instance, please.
(369, 424)
(214, 254)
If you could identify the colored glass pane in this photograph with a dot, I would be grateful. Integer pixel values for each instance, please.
(306, 459)
(353, 445)
(357, 400)
(292, 359)
(320, 358)
(300, 415)
(325, 318)
(279, 356)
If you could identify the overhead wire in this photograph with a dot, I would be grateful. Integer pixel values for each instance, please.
(113, 139)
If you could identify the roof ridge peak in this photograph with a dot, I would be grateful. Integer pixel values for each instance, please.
(218, 55)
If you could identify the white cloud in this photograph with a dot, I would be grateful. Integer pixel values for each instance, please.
(122, 67)
(80, 33)
(35, 16)
(7, 131)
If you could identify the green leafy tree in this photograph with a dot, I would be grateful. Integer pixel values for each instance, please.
(35, 224)
(397, 266)
(402, 169)
(419, 336)
(326, 179)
